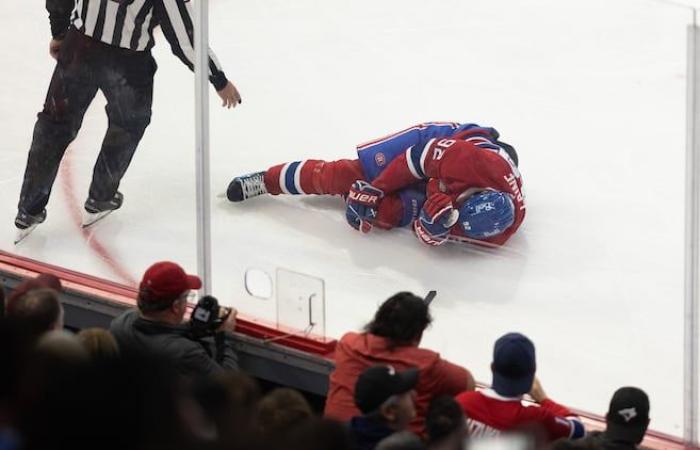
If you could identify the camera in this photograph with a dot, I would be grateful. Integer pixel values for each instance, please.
(207, 316)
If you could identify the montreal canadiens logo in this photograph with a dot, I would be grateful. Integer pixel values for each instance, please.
(380, 159)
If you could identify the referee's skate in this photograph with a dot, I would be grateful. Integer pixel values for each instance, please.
(26, 223)
(96, 210)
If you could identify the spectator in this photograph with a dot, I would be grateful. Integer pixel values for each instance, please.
(241, 390)
(626, 421)
(445, 424)
(393, 337)
(44, 280)
(15, 349)
(403, 440)
(281, 410)
(319, 434)
(157, 325)
(130, 402)
(386, 399)
(52, 365)
(501, 409)
(38, 310)
(63, 346)
(228, 399)
(99, 343)
(578, 444)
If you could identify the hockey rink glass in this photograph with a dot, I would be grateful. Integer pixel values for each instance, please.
(156, 219)
(590, 93)
(592, 97)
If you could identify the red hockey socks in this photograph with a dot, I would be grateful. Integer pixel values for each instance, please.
(313, 177)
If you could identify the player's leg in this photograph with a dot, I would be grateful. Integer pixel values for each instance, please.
(127, 82)
(311, 176)
(71, 91)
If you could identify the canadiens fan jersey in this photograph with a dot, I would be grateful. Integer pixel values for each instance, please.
(489, 414)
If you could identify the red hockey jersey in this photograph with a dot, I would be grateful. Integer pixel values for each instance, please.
(461, 164)
(489, 414)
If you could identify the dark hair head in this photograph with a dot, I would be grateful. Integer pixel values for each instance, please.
(401, 440)
(145, 395)
(587, 443)
(38, 309)
(402, 319)
(320, 434)
(44, 280)
(444, 417)
(281, 410)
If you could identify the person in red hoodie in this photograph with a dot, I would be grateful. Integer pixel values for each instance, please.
(501, 409)
(393, 338)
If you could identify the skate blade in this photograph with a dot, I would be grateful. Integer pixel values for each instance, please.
(92, 218)
(23, 233)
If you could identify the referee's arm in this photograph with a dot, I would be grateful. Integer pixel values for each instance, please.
(59, 16)
(176, 23)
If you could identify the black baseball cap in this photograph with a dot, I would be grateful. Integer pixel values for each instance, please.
(628, 415)
(513, 365)
(378, 383)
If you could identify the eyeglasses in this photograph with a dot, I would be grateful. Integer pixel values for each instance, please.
(189, 296)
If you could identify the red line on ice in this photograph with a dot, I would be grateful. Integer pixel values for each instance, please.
(75, 210)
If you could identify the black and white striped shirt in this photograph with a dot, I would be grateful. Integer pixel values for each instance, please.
(130, 23)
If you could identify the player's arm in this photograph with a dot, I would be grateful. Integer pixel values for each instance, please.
(391, 212)
(437, 216)
(176, 21)
(59, 16)
(417, 163)
(436, 219)
(395, 210)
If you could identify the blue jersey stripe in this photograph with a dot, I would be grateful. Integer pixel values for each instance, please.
(488, 146)
(289, 178)
(416, 153)
(577, 429)
(475, 130)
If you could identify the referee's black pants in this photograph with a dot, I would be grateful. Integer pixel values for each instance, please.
(85, 65)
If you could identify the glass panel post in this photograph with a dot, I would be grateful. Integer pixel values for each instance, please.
(201, 40)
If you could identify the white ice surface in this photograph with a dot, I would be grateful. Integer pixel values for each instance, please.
(591, 93)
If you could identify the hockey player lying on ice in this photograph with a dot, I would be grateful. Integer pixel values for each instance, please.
(446, 180)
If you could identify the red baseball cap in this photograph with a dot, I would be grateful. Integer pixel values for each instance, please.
(166, 280)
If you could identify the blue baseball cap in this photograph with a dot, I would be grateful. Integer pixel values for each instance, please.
(513, 365)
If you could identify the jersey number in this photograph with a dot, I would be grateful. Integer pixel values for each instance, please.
(440, 148)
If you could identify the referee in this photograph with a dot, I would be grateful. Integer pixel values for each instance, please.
(103, 45)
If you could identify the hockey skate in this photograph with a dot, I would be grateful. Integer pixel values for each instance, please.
(246, 186)
(96, 210)
(26, 223)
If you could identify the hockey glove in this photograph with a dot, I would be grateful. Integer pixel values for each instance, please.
(361, 205)
(435, 220)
